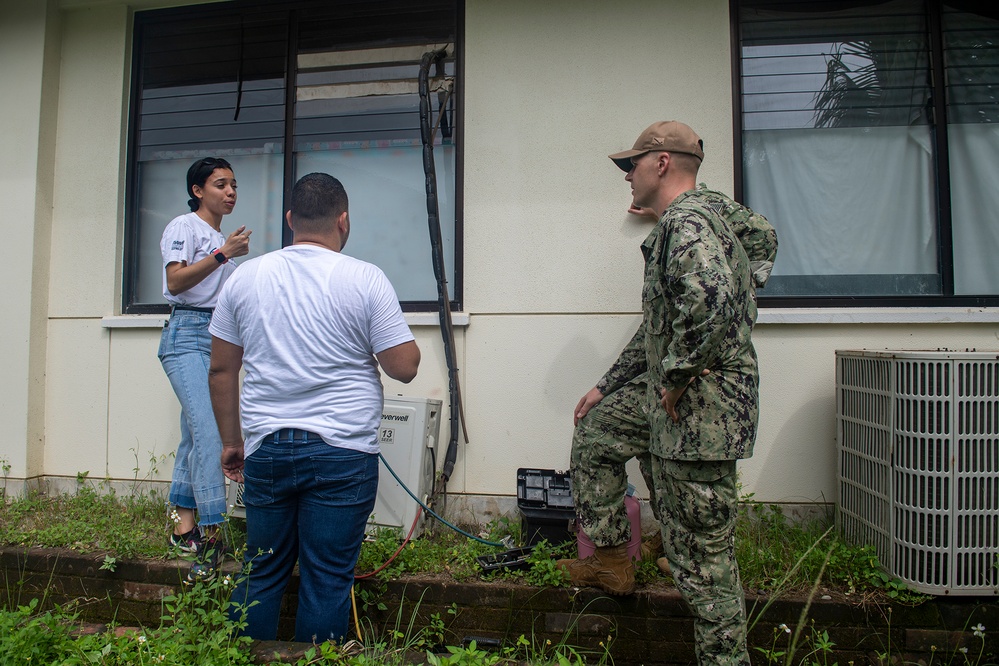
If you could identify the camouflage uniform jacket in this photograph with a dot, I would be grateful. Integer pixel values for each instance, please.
(758, 239)
(699, 307)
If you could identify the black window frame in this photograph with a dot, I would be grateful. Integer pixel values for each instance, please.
(293, 9)
(941, 157)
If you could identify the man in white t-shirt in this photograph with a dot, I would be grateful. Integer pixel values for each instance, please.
(311, 326)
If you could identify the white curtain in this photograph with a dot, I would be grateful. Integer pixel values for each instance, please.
(845, 201)
(860, 201)
(388, 210)
(974, 158)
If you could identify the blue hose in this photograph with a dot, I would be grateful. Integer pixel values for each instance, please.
(432, 513)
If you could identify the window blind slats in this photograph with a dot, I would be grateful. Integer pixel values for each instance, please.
(818, 64)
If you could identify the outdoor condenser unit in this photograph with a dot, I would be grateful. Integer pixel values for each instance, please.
(918, 445)
(408, 436)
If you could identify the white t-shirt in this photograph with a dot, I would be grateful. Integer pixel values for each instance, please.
(191, 239)
(309, 321)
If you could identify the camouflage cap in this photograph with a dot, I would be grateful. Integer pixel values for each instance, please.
(670, 136)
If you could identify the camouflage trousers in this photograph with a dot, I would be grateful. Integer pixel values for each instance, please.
(613, 432)
(699, 501)
(696, 503)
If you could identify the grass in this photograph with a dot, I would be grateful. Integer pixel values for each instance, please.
(775, 555)
(124, 526)
(196, 629)
(778, 555)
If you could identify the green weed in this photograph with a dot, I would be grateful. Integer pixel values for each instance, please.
(778, 555)
(195, 629)
(782, 651)
(124, 526)
(467, 656)
(542, 571)
(536, 651)
(5, 467)
(31, 637)
(775, 554)
(370, 596)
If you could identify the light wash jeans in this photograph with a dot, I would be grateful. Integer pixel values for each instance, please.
(306, 501)
(185, 352)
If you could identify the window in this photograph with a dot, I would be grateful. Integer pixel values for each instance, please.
(309, 86)
(869, 136)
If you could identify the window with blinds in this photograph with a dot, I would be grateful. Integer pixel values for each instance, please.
(280, 90)
(357, 115)
(843, 107)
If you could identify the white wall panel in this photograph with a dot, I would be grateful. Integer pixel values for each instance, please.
(525, 376)
(76, 415)
(29, 62)
(143, 412)
(144, 415)
(89, 179)
(431, 382)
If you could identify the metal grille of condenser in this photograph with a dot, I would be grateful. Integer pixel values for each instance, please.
(918, 449)
(408, 438)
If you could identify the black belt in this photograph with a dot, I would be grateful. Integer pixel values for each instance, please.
(191, 308)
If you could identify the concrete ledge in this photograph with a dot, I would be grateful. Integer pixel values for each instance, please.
(458, 319)
(652, 626)
(767, 316)
(901, 315)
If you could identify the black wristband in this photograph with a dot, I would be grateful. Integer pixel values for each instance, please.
(219, 257)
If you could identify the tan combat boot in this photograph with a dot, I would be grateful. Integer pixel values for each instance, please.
(610, 568)
(652, 551)
(652, 548)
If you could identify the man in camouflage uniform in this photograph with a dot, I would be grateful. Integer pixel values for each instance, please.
(617, 428)
(683, 393)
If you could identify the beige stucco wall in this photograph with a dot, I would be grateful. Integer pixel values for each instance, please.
(86, 243)
(550, 90)
(552, 266)
(29, 57)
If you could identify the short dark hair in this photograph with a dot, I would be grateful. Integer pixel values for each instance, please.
(198, 175)
(317, 200)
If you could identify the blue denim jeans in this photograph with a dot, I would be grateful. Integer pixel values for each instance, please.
(307, 501)
(185, 352)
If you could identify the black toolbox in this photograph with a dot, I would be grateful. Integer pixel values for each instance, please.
(544, 498)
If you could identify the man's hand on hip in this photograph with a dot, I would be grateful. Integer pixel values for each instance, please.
(586, 403)
(670, 398)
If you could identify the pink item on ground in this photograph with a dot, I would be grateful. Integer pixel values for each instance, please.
(585, 547)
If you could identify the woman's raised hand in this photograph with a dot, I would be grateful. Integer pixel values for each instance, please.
(238, 243)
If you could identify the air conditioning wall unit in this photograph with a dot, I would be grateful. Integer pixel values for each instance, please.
(408, 436)
(918, 462)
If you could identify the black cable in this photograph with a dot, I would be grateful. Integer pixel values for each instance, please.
(437, 255)
(239, 73)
